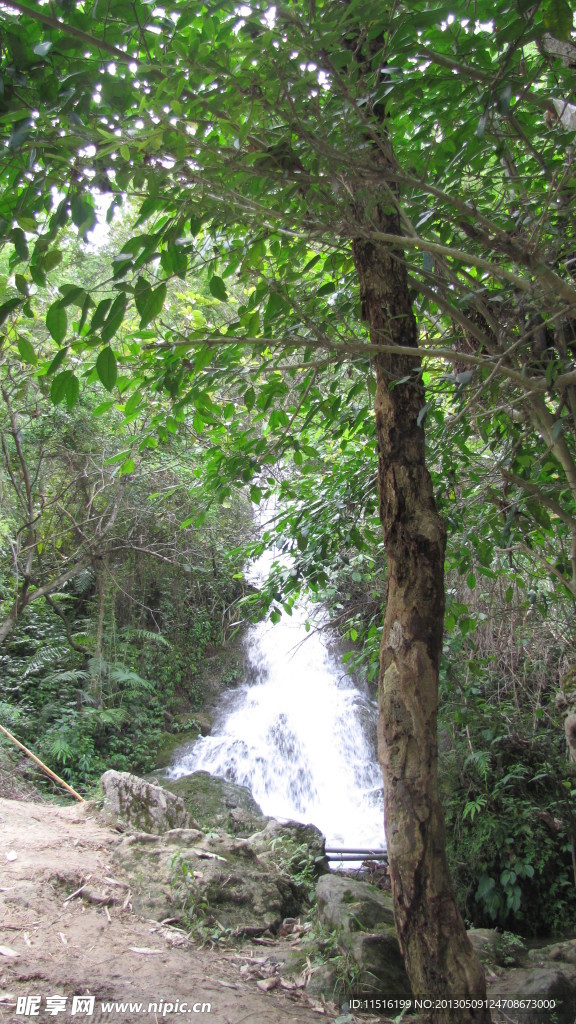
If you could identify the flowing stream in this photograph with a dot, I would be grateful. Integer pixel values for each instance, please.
(299, 734)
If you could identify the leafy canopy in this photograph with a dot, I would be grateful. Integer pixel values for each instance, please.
(239, 141)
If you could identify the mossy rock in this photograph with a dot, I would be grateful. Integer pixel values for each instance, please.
(361, 919)
(169, 742)
(353, 906)
(380, 966)
(205, 881)
(218, 804)
(291, 840)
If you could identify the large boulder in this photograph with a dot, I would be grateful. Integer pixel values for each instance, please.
(361, 917)
(217, 803)
(380, 965)
(293, 843)
(559, 951)
(214, 881)
(141, 805)
(345, 904)
(552, 984)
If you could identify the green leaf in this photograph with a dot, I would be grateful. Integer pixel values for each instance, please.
(72, 391)
(8, 307)
(115, 317)
(126, 467)
(203, 358)
(142, 291)
(133, 403)
(51, 259)
(72, 295)
(422, 413)
(100, 314)
(253, 324)
(256, 495)
(275, 307)
(57, 361)
(20, 243)
(106, 368)
(37, 274)
(179, 261)
(174, 261)
(19, 135)
(83, 215)
(218, 288)
(56, 322)
(119, 457)
(103, 408)
(26, 223)
(65, 386)
(26, 350)
(558, 19)
(153, 304)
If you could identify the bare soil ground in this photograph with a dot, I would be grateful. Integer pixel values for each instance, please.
(55, 941)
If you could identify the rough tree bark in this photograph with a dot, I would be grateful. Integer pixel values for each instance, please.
(439, 958)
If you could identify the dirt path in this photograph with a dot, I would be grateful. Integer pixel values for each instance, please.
(54, 943)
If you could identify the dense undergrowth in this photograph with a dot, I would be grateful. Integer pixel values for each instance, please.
(84, 710)
(95, 672)
(508, 783)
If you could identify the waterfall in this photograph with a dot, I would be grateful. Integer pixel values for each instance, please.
(300, 734)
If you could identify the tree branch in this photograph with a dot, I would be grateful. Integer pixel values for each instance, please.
(69, 30)
(531, 488)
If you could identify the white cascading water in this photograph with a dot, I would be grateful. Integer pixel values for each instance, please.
(299, 734)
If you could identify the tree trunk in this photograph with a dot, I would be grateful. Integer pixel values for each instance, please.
(439, 958)
(9, 622)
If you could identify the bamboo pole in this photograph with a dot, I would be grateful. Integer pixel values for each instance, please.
(43, 766)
